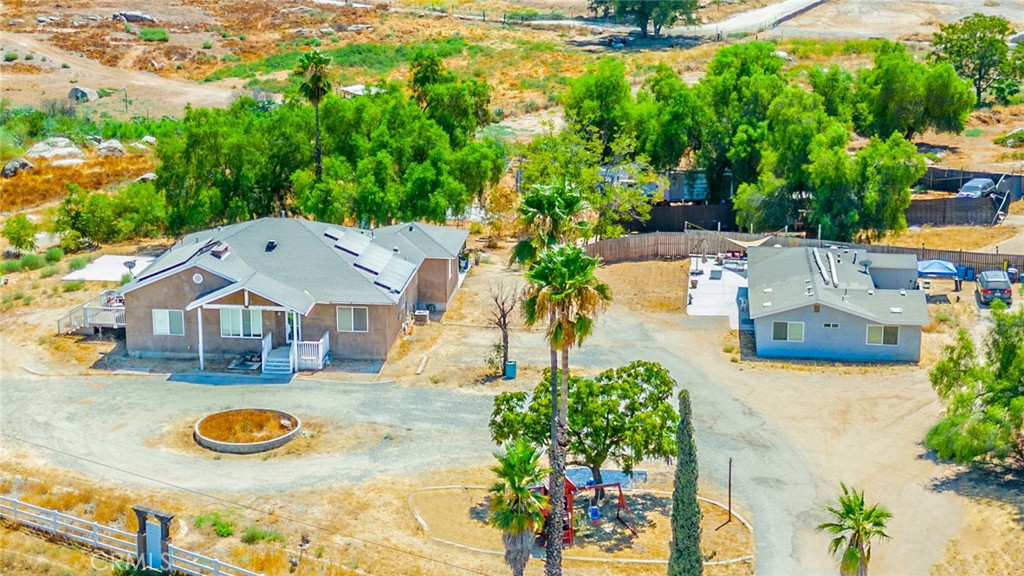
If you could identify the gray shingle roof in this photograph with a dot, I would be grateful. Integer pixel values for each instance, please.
(304, 266)
(782, 279)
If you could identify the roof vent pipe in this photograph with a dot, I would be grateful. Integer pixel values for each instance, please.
(410, 227)
(395, 249)
(271, 244)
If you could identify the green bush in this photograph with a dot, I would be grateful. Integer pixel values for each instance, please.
(72, 241)
(74, 286)
(53, 255)
(230, 58)
(48, 272)
(29, 56)
(256, 534)
(973, 132)
(10, 56)
(221, 527)
(476, 228)
(207, 45)
(78, 263)
(11, 266)
(125, 278)
(154, 35)
(26, 300)
(242, 37)
(32, 261)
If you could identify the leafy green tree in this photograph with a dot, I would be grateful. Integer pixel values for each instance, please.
(624, 414)
(976, 46)
(428, 69)
(855, 525)
(316, 72)
(458, 106)
(668, 118)
(20, 232)
(835, 86)
(599, 103)
(232, 164)
(884, 171)
(643, 13)
(835, 204)
(741, 83)
(517, 510)
(900, 95)
(685, 557)
(330, 198)
(984, 396)
(564, 292)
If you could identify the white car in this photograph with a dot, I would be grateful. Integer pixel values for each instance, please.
(976, 188)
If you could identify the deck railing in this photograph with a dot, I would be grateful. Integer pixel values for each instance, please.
(265, 348)
(312, 355)
(104, 311)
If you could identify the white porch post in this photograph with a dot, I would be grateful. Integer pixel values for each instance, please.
(295, 342)
(199, 315)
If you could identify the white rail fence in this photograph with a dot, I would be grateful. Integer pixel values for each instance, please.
(194, 564)
(312, 355)
(117, 542)
(111, 540)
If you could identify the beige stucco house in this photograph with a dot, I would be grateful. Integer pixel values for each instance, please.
(292, 292)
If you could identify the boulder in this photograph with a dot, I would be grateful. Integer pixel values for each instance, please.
(148, 140)
(67, 162)
(133, 17)
(83, 94)
(16, 165)
(55, 147)
(94, 139)
(147, 177)
(141, 147)
(110, 148)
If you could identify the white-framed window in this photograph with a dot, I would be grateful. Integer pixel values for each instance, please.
(883, 335)
(353, 319)
(241, 323)
(168, 322)
(832, 325)
(788, 331)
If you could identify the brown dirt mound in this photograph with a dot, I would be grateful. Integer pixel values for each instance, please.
(242, 426)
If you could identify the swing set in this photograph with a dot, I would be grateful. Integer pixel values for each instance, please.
(572, 522)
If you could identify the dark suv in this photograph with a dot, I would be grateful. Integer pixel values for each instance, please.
(994, 284)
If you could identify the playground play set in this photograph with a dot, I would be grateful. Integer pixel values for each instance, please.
(581, 488)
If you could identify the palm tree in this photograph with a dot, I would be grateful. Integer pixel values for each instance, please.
(564, 290)
(515, 509)
(315, 70)
(855, 526)
(550, 215)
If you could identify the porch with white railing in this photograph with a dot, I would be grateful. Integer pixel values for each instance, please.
(103, 311)
(313, 355)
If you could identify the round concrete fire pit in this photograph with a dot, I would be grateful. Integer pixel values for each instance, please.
(246, 430)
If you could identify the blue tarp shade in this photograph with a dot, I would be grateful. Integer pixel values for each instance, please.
(941, 268)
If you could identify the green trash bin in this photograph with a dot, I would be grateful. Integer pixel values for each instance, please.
(510, 370)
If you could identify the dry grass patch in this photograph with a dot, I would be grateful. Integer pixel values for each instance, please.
(648, 286)
(953, 237)
(47, 182)
(246, 425)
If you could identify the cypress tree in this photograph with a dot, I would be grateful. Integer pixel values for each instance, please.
(685, 558)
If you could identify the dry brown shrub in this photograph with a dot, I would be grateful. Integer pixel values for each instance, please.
(47, 182)
(21, 68)
(262, 559)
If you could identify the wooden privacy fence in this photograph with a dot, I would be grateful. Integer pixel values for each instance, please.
(677, 245)
(110, 540)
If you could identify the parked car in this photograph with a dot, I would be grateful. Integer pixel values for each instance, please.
(994, 284)
(976, 188)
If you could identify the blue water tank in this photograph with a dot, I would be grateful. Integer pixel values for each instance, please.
(510, 370)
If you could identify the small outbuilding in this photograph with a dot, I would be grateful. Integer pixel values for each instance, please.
(83, 94)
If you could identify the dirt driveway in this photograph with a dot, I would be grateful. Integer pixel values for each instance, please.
(793, 434)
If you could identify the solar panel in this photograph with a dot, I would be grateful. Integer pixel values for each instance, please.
(396, 274)
(353, 242)
(373, 259)
(334, 233)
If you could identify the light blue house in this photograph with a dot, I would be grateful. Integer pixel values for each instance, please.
(834, 304)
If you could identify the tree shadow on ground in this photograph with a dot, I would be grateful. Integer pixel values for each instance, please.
(609, 535)
(632, 43)
(1003, 482)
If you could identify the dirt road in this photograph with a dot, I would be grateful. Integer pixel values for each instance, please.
(149, 93)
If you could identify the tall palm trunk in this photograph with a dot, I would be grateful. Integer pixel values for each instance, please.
(518, 546)
(556, 489)
(317, 152)
(563, 406)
